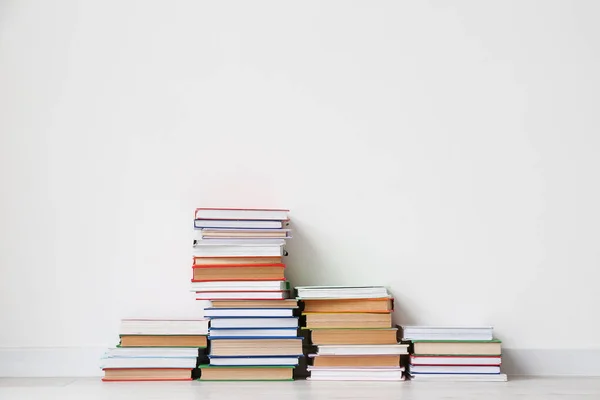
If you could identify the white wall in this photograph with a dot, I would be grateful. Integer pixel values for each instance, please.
(447, 150)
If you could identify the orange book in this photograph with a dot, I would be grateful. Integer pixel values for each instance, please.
(373, 305)
(348, 320)
(257, 272)
(284, 303)
(354, 336)
(163, 341)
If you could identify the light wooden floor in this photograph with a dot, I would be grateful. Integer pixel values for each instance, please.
(93, 389)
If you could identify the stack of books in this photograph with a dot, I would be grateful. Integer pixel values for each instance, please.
(156, 350)
(238, 267)
(351, 328)
(454, 354)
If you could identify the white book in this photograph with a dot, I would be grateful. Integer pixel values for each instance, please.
(242, 214)
(241, 233)
(341, 292)
(445, 360)
(248, 312)
(152, 352)
(447, 333)
(150, 362)
(233, 224)
(454, 369)
(241, 286)
(356, 374)
(357, 350)
(221, 361)
(246, 333)
(459, 377)
(238, 251)
(274, 295)
(163, 327)
(240, 323)
(239, 242)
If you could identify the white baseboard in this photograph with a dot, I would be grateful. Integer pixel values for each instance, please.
(50, 361)
(85, 362)
(551, 362)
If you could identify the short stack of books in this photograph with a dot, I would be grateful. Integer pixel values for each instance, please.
(238, 267)
(454, 354)
(238, 254)
(156, 350)
(352, 330)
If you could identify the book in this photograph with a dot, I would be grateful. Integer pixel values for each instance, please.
(354, 336)
(154, 352)
(357, 350)
(163, 327)
(236, 261)
(356, 374)
(272, 322)
(242, 242)
(282, 303)
(242, 286)
(247, 295)
(244, 373)
(458, 348)
(253, 332)
(341, 292)
(163, 341)
(238, 251)
(242, 213)
(147, 374)
(454, 369)
(459, 377)
(455, 360)
(150, 362)
(240, 361)
(235, 224)
(248, 312)
(447, 333)
(258, 272)
(367, 305)
(256, 347)
(364, 361)
(230, 233)
(348, 320)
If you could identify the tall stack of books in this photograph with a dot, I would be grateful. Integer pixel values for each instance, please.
(238, 267)
(156, 350)
(352, 330)
(454, 354)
